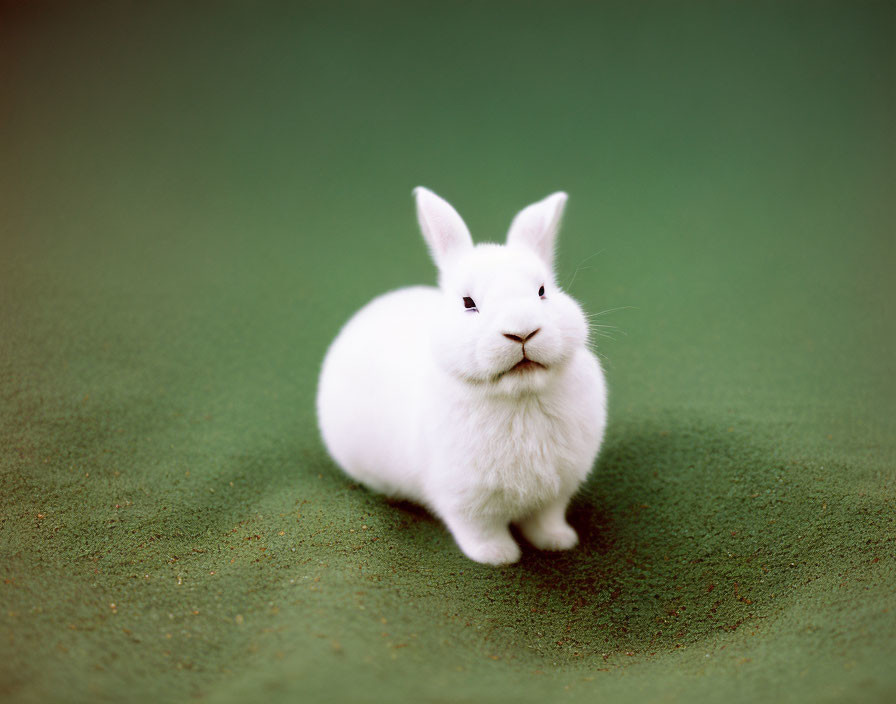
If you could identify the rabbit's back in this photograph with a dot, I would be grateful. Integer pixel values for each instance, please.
(369, 391)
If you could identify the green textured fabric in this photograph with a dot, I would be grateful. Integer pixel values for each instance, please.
(194, 199)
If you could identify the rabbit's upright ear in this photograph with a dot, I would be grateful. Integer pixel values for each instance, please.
(443, 229)
(536, 226)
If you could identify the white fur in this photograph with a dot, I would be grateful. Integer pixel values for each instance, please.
(415, 399)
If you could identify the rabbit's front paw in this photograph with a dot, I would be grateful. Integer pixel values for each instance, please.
(484, 541)
(497, 551)
(552, 537)
(548, 529)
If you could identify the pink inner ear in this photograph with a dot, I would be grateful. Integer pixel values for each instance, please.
(443, 228)
(536, 226)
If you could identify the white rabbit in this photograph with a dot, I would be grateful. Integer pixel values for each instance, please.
(478, 399)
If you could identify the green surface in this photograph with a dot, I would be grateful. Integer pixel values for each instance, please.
(193, 200)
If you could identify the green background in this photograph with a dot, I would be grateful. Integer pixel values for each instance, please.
(193, 199)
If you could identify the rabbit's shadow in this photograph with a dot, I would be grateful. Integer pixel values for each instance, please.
(675, 539)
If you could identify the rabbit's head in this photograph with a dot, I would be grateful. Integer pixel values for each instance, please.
(505, 325)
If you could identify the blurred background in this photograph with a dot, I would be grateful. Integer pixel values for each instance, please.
(195, 196)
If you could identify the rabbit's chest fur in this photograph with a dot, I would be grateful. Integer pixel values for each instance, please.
(509, 458)
(521, 463)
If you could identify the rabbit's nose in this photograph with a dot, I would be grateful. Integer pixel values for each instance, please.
(521, 337)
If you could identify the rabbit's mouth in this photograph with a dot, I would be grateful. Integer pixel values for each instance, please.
(525, 365)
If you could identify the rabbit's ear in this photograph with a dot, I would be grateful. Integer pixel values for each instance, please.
(536, 226)
(443, 229)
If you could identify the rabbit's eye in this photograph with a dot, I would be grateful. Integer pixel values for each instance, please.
(469, 303)
(541, 292)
